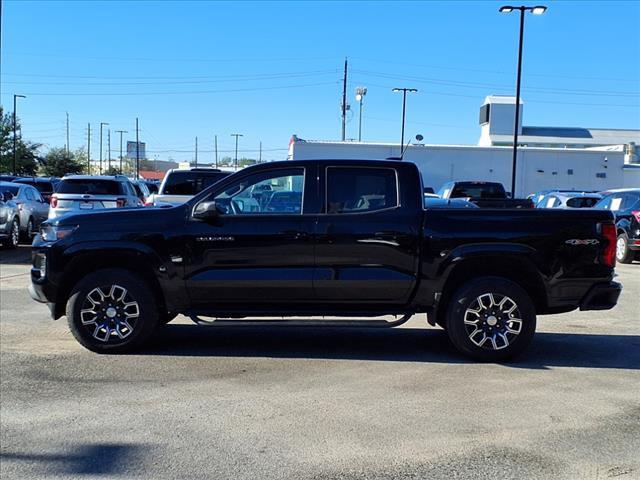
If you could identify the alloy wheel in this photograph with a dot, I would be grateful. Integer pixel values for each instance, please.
(621, 248)
(15, 234)
(493, 321)
(109, 313)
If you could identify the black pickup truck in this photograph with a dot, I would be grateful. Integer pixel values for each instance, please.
(332, 238)
(483, 194)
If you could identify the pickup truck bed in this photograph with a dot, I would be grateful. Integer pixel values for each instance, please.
(347, 238)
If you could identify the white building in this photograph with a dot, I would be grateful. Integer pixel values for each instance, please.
(544, 161)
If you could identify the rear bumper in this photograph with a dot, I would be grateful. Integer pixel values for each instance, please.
(602, 296)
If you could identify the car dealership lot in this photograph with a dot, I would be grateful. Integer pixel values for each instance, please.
(318, 403)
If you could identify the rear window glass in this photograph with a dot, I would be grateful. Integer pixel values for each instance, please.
(190, 183)
(45, 187)
(582, 202)
(12, 190)
(354, 189)
(488, 190)
(90, 187)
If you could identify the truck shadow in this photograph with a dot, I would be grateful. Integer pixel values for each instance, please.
(400, 345)
(104, 459)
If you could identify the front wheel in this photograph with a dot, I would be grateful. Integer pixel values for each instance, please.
(491, 319)
(112, 311)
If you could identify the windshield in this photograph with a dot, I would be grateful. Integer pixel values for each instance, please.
(90, 187)
(478, 190)
(190, 183)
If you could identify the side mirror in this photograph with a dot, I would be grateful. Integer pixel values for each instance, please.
(206, 211)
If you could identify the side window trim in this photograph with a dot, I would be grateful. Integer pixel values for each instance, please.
(325, 206)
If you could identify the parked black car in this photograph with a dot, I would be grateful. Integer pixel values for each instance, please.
(348, 238)
(625, 204)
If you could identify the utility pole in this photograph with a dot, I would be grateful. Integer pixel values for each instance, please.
(215, 147)
(109, 148)
(260, 157)
(88, 149)
(236, 158)
(196, 152)
(68, 148)
(121, 132)
(137, 150)
(101, 125)
(15, 137)
(344, 102)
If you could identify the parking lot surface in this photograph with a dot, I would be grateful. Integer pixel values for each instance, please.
(311, 403)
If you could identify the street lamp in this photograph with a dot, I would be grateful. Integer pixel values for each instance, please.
(15, 138)
(360, 93)
(101, 125)
(121, 132)
(537, 10)
(236, 159)
(404, 105)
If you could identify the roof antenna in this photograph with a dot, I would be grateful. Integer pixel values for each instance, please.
(401, 157)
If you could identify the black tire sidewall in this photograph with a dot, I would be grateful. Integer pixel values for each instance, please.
(146, 323)
(466, 294)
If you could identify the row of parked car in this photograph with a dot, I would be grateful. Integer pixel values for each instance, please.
(26, 202)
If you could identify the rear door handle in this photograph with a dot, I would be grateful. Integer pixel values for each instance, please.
(294, 234)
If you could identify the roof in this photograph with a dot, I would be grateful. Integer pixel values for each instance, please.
(505, 99)
(94, 177)
(572, 136)
(151, 175)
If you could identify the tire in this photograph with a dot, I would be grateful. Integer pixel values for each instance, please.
(14, 235)
(623, 253)
(112, 311)
(27, 235)
(475, 319)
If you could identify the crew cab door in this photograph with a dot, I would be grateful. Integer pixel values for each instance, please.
(259, 249)
(368, 235)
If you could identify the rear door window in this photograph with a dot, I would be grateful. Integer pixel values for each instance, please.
(361, 190)
(90, 187)
(189, 182)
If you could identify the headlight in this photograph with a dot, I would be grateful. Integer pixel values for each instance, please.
(52, 233)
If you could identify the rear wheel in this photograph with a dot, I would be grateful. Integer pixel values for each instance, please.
(491, 319)
(112, 311)
(623, 253)
(14, 234)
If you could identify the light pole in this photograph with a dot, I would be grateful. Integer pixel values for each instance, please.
(15, 137)
(121, 132)
(236, 159)
(538, 10)
(101, 125)
(404, 108)
(360, 93)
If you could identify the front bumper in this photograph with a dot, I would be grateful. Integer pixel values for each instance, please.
(38, 295)
(602, 296)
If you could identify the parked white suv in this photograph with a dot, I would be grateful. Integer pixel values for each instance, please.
(180, 185)
(88, 193)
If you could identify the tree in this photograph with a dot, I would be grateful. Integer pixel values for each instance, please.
(112, 171)
(56, 163)
(27, 156)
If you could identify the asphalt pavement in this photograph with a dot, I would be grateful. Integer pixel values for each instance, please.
(313, 403)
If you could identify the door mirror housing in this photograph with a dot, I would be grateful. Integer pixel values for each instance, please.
(207, 211)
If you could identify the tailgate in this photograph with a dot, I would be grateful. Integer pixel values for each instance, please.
(83, 202)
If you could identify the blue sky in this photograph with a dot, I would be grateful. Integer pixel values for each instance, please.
(271, 69)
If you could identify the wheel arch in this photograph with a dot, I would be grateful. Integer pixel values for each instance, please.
(82, 263)
(517, 269)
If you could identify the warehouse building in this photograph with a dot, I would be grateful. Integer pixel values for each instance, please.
(549, 157)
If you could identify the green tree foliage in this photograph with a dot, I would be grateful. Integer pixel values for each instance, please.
(27, 157)
(57, 163)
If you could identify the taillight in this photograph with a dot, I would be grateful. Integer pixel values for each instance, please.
(148, 204)
(636, 214)
(54, 201)
(609, 233)
(121, 202)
